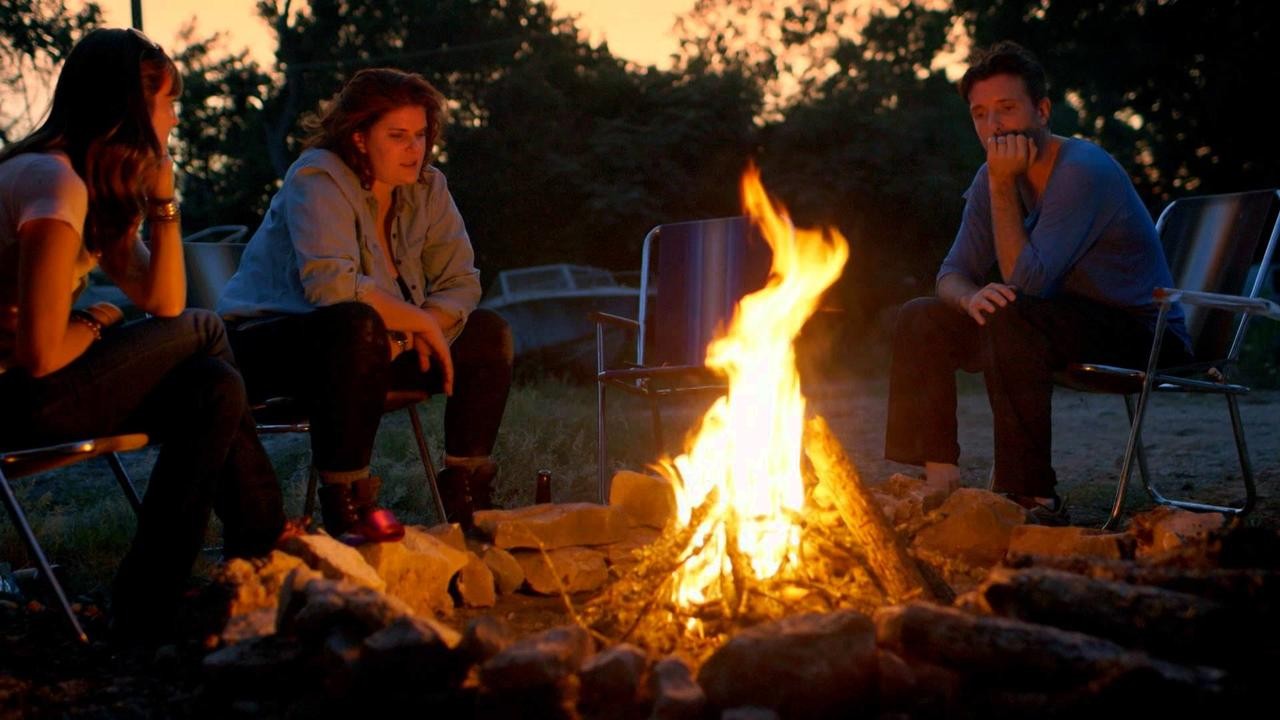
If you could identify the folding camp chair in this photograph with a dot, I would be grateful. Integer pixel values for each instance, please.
(700, 271)
(1220, 249)
(210, 266)
(18, 463)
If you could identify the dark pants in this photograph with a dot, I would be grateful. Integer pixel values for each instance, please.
(175, 380)
(336, 363)
(1017, 351)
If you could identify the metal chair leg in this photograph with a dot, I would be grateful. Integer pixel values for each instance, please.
(425, 454)
(309, 503)
(1142, 451)
(33, 546)
(1246, 471)
(126, 484)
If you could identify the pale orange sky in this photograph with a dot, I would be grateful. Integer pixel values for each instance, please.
(637, 30)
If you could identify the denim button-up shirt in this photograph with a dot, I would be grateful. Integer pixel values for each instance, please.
(317, 246)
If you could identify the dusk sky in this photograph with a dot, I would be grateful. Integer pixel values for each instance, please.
(637, 31)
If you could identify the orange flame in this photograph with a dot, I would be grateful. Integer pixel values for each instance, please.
(748, 447)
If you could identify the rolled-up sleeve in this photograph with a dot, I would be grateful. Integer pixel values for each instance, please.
(326, 238)
(448, 260)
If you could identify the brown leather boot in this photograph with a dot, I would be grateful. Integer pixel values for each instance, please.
(336, 508)
(480, 485)
(455, 494)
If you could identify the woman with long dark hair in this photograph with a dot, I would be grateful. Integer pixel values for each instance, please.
(361, 279)
(73, 195)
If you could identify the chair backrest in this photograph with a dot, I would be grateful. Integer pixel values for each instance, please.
(700, 270)
(209, 268)
(1221, 244)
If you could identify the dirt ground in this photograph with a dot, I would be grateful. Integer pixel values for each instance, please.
(1188, 440)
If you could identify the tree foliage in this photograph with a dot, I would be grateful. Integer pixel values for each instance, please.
(1174, 88)
(35, 36)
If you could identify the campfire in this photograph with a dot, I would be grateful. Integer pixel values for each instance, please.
(758, 485)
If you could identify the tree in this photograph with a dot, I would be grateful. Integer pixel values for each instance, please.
(1174, 88)
(35, 36)
(222, 142)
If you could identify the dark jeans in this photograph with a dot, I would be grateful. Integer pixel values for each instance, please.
(175, 380)
(1017, 351)
(336, 363)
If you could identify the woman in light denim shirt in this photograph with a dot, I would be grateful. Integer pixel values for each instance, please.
(361, 279)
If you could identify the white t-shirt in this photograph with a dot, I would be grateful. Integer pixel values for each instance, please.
(35, 186)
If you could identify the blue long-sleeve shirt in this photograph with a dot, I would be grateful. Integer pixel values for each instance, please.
(1089, 236)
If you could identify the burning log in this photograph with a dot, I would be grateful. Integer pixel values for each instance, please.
(886, 553)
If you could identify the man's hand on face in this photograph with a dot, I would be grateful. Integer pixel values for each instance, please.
(987, 300)
(1010, 155)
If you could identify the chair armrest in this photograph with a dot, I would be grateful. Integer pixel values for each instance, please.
(604, 318)
(1218, 301)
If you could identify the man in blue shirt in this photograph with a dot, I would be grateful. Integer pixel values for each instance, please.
(1074, 256)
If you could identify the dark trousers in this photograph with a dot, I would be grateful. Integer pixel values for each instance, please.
(1017, 351)
(336, 363)
(175, 380)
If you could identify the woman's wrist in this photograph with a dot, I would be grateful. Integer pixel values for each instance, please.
(163, 210)
(88, 320)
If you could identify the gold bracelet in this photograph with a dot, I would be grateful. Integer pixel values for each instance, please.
(86, 318)
(163, 210)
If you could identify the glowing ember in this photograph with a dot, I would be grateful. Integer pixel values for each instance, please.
(749, 445)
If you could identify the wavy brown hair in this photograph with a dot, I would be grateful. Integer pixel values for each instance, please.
(366, 97)
(101, 118)
(1005, 58)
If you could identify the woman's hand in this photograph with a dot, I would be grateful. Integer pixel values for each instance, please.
(430, 343)
(162, 188)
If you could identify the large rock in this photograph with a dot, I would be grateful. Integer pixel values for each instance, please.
(675, 695)
(417, 570)
(311, 607)
(475, 584)
(336, 560)
(816, 665)
(553, 526)
(1048, 541)
(575, 569)
(537, 660)
(973, 526)
(254, 589)
(448, 533)
(412, 651)
(648, 501)
(622, 555)
(507, 573)
(610, 680)
(1168, 529)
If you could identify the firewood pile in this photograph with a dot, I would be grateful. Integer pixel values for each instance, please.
(1177, 615)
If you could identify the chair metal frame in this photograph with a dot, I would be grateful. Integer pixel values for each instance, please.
(20, 463)
(278, 415)
(1213, 372)
(656, 383)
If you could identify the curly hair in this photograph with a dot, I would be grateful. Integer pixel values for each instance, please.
(361, 103)
(101, 118)
(1005, 58)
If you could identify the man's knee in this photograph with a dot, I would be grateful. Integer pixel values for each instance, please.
(922, 320)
